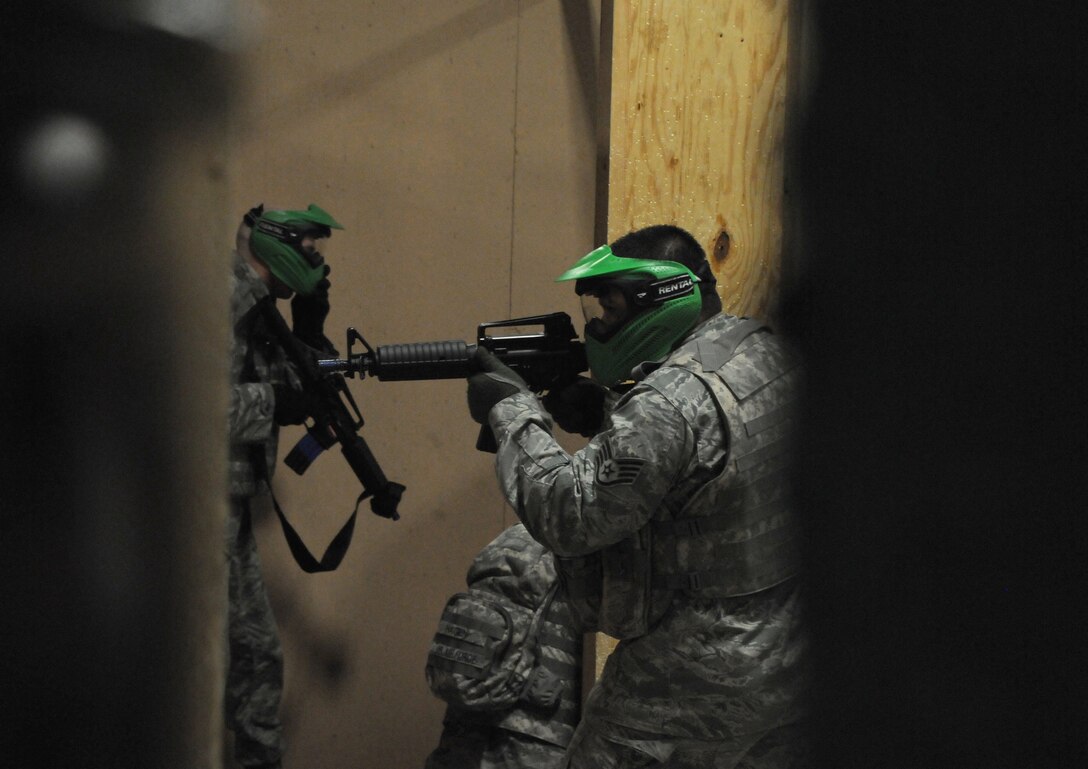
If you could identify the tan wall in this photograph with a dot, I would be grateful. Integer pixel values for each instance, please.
(454, 142)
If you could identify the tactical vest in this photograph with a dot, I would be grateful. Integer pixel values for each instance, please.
(733, 535)
(507, 652)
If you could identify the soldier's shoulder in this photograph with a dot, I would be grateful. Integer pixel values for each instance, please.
(675, 379)
(667, 392)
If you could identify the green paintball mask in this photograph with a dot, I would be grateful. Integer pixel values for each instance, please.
(635, 310)
(285, 241)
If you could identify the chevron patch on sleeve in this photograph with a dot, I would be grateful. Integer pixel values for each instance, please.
(615, 472)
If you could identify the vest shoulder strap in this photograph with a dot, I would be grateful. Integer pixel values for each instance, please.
(744, 377)
(714, 353)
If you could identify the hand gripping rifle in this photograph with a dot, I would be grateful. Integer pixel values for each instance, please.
(548, 359)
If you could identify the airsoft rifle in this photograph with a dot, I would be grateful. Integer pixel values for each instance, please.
(546, 359)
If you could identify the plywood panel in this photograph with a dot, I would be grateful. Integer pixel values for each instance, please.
(697, 129)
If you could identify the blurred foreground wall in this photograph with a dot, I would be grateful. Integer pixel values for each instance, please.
(112, 387)
(940, 304)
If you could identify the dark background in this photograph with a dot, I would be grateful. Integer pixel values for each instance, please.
(939, 296)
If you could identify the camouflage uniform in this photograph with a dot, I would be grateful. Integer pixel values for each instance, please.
(255, 671)
(491, 727)
(704, 677)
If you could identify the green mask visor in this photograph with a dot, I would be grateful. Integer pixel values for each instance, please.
(285, 241)
(635, 309)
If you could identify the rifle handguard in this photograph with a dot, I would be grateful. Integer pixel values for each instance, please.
(423, 360)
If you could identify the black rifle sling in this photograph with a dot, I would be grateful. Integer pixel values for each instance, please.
(338, 547)
(334, 553)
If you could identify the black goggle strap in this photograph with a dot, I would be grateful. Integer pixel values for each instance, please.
(705, 275)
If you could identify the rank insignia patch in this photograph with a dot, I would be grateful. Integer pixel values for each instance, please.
(612, 471)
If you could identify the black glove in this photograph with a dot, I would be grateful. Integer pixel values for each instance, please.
(291, 406)
(577, 408)
(493, 382)
(308, 315)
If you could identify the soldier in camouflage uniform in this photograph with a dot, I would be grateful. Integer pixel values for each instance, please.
(673, 524)
(507, 660)
(276, 256)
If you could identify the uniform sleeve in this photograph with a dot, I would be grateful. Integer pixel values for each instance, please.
(252, 402)
(251, 407)
(578, 503)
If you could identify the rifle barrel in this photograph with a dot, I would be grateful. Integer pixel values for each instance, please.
(334, 364)
(407, 362)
